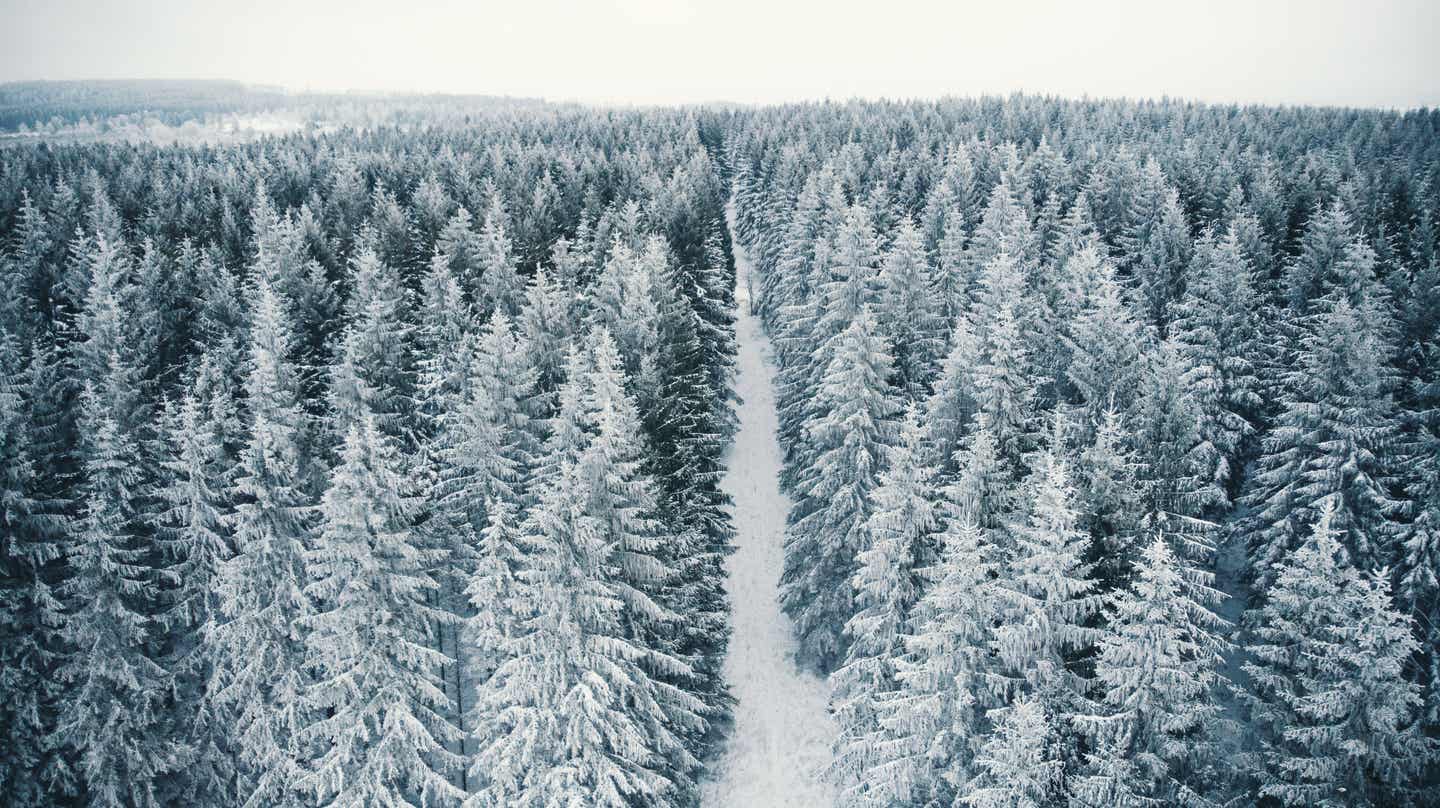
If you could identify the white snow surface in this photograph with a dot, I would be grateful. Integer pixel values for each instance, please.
(783, 729)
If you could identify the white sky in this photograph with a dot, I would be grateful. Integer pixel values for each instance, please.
(1376, 53)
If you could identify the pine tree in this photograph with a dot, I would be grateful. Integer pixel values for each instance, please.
(853, 426)
(1019, 765)
(886, 586)
(377, 694)
(1328, 694)
(257, 647)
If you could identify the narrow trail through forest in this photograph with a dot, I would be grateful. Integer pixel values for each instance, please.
(783, 730)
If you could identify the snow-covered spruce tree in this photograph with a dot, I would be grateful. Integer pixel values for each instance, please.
(908, 314)
(844, 286)
(711, 290)
(193, 525)
(886, 584)
(32, 529)
(933, 719)
(1157, 673)
(374, 372)
(1329, 698)
(686, 430)
(1176, 493)
(112, 716)
(1046, 588)
(379, 731)
(1216, 329)
(444, 344)
(1019, 765)
(574, 708)
(1109, 496)
(1005, 379)
(1164, 254)
(257, 646)
(499, 285)
(647, 554)
(1104, 342)
(952, 405)
(1004, 228)
(852, 426)
(1337, 431)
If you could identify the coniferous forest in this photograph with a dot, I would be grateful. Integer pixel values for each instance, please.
(410, 459)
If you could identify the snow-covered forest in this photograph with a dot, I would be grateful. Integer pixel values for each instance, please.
(996, 452)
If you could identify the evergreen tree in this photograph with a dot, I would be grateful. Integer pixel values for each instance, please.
(32, 531)
(500, 286)
(936, 715)
(374, 372)
(886, 586)
(1217, 334)
(1329, 697)
(1336, 430)
(377, 695)
(258, 678)
(1048, 594)
(193, 528)
(1019, 766)
(1157, 671)
(854, 425)
(113, 716)
(907, 314)
(573, 708)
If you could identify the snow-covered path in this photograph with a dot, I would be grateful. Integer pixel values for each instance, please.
(782, 733)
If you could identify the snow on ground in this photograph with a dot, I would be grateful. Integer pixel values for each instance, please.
(783, 729)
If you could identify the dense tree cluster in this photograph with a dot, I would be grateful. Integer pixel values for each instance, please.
(381, 465)
(373, 468)
(1110, 429)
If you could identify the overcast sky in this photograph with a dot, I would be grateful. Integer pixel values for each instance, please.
(1373, 53)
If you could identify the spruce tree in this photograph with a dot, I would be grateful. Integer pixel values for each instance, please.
(258, 645)
(1217, 333)
(854, 424)
(1336, 431)
(1329, 698)
(113, 716)
(886, 584)
(936, 715)
(1047, 590)
(379, 730)
(907, 314)
(1019, 765)
(1157, 676)
(33, 528)
(574, 708)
